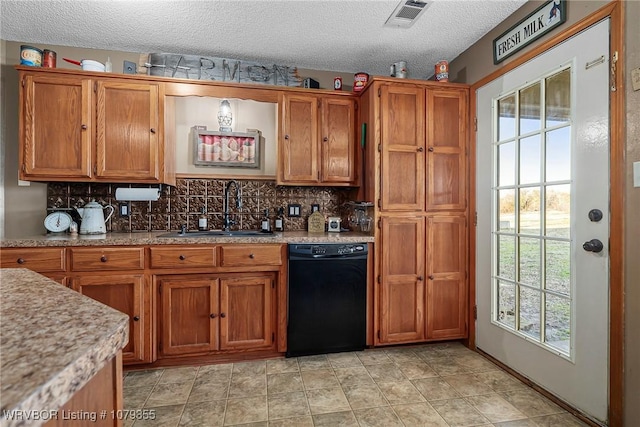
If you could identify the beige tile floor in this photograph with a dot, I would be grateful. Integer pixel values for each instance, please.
(428, 385)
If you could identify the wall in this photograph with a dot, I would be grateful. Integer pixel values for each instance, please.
(632, 222)
(24, 207)
(477, 62)
(193, 110)
(3, 123)
(183, 203)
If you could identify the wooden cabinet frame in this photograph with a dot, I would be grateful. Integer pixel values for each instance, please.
(80, 127)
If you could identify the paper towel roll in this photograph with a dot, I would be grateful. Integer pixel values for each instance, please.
(137, 194)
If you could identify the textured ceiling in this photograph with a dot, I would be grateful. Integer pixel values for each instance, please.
(346, 36)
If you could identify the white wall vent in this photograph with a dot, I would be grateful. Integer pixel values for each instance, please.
(406, 13)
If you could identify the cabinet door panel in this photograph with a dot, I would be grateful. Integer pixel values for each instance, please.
(187, 324)
(402, 284)
(128, 131)
(446, 141)
(299, 139)
(446, 270)
(124, 293)
(56, 127)
(403, 154)
(246, 312)
(338, 140)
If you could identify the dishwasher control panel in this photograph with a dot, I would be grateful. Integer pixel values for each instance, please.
(327, 250)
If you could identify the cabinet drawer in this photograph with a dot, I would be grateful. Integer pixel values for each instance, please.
(107, 259)
(40, 260)
(247, 255)
(183, 257)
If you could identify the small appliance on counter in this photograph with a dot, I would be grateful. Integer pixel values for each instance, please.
(359, 217)
(61, 220)
(333, 224)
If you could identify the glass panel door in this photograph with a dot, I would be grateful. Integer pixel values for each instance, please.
(531, 279)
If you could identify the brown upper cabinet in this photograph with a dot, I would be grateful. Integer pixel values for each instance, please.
(317, 140)
(83, 128)
(423, 129)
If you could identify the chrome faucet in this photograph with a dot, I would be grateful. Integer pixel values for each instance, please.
(227, 222)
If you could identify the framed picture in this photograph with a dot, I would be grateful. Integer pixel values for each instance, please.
(226, 149)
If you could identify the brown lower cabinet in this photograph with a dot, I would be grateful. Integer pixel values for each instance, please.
(422, 286)
(125, 293)
(202, 313)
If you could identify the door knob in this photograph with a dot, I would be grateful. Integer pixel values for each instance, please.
(593, 245)
(212, 315)
(595, 215)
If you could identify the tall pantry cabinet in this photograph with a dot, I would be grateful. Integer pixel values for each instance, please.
(416, 174)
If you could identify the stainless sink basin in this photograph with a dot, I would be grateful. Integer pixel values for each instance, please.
(217, 233)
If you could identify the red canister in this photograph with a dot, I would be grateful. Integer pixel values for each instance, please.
(442, 71)
(360, 81)
(48, 59)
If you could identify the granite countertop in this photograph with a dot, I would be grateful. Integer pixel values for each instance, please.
(52, 341)
(153, 238)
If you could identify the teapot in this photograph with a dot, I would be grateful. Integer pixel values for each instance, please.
(93, 220)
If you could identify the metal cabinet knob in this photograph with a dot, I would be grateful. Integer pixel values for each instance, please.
(325, 139)
(431, 277)
(420, 278)
(182, 257)
(420, 149)
(83, 127)
(251, 256)
(103, 258)
(286, 137)
(136, 318)
(152, 130)
(20, 261)
(223, 315)
(212, 315)
(431, 149)
(593, 245)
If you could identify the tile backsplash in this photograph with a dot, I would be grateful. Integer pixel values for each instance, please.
(183, 203)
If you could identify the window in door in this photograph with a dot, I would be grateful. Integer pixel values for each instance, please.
(531, 245)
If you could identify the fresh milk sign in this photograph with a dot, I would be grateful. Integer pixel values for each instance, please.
(541, 21)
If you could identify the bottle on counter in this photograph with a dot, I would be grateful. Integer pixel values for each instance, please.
(202, 220)
(265, 225)
(279, 223)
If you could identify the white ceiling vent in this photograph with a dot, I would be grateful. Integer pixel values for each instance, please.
(406, 13)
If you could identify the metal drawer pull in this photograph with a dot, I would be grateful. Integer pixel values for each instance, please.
(182, 257)
(251, 256)
(103, 258)
(20, 261)
(223, 315)
(212, 315)
(136, 318)
(431, 277)
(419, 278)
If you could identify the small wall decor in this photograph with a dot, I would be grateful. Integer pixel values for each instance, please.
(536, 24)
(226, 149)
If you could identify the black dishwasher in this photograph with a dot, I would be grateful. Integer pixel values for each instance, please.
(327, 298)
